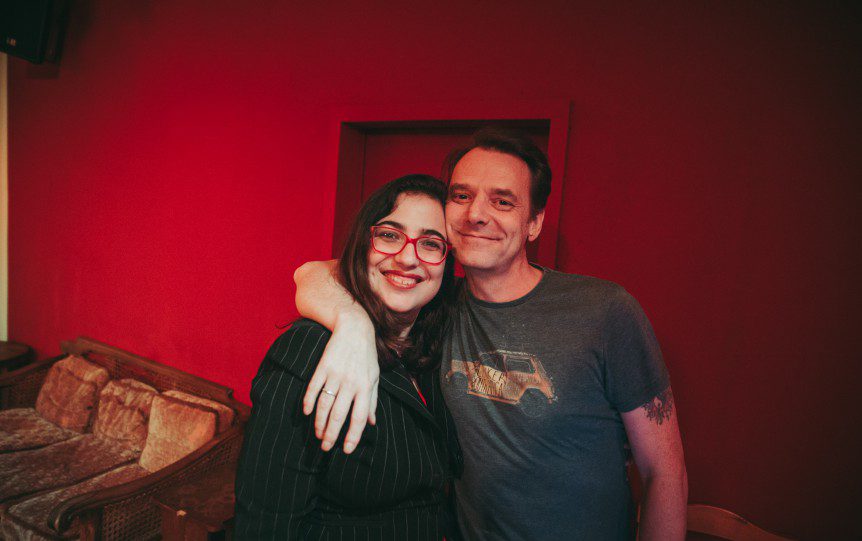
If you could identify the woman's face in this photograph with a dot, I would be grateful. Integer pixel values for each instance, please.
(402, 281)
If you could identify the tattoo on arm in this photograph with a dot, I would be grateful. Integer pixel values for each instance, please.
(660, 408)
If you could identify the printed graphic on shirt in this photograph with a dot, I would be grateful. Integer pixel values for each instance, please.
(509, 377)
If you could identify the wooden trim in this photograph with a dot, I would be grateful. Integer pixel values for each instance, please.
(4, 197)
(345, 118)
(9, 379)
(722, 523)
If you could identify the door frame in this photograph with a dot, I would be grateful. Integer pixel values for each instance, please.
(349, 123)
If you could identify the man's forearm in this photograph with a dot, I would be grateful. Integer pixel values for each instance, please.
(663, 511)
(320, 297)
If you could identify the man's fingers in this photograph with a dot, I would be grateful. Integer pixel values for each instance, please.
(358, 417)
(314, 387)
(337, 416)
(372, 405)
(324, 405)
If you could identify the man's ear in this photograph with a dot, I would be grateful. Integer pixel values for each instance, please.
(534, 226)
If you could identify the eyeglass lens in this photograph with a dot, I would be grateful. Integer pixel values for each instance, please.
(391, 241)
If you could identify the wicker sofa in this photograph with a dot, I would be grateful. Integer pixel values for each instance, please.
(87, 438)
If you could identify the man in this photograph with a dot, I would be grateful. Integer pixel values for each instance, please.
(548, 376)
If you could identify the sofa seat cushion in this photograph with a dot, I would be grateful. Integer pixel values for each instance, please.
(60, 465)
(68, 396)
(27, 520)
(225, 413)
(124, 412)
(24, 428)
(176, 429)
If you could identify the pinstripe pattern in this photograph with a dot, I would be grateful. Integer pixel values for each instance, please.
(391, 487)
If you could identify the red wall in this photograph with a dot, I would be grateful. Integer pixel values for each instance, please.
(165, 182)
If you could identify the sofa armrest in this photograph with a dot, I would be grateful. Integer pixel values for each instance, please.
(19, 388)
(128, 499)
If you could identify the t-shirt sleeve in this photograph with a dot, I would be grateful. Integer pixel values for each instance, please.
(634, 368)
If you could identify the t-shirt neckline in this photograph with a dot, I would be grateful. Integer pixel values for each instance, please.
(515, 302)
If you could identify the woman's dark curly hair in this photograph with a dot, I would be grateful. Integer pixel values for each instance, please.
(421, 348)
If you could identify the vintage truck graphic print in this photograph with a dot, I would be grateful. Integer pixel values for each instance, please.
(504, 376)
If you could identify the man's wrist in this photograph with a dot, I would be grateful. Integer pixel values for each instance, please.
(355, 317)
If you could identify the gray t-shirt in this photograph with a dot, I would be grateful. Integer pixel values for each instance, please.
(535, 387)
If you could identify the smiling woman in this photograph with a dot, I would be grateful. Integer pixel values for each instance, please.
(406, 279)
(396, 265)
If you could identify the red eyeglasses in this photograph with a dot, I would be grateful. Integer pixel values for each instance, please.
(390, 241)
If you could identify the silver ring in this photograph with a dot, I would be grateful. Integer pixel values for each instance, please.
(330, 393)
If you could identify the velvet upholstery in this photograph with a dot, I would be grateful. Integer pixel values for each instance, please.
(124, 412)
(176, 429)
(68, 396)
(24, 428)
(60, 465)
(225, 414)
(27, 520)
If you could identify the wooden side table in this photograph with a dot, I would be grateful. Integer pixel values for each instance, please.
(201, 509)
(14, 355)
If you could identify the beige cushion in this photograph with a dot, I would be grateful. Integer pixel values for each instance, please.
(225, 414)
(68, 396)
(124, 412)
(176, 429)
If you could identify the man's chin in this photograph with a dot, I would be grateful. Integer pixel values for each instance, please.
(477, 262)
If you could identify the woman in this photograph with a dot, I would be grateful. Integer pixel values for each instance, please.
(397, 265)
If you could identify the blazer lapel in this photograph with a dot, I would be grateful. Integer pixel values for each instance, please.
(429, 382)
(398, 384)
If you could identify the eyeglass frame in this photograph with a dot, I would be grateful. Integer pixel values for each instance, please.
(412, 241)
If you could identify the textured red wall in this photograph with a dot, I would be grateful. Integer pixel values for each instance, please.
(165, 182)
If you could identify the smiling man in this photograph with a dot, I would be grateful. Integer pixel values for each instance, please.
(550, 377)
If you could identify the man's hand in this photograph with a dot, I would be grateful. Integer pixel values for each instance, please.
(348, 372)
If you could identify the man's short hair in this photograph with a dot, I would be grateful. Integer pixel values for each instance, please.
(517, 144)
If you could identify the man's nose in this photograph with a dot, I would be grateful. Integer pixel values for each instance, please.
(477, 212)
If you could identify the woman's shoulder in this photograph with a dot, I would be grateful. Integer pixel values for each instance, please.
(299, 348)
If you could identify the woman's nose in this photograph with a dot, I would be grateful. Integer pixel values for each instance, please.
(407, 256)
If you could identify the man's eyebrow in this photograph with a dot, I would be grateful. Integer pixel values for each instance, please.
(424, 232)
(502, 192)
(457, 186)
(506, 193)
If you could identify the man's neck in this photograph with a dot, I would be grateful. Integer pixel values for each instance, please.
(511, 284)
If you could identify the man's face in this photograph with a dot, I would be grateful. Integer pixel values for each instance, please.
(488, 212)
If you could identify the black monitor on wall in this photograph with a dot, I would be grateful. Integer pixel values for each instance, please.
(32, 29)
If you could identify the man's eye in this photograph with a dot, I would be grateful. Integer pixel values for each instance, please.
(459, 197)
(504, 203)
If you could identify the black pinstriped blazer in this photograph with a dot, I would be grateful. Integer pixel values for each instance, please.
(390, 487)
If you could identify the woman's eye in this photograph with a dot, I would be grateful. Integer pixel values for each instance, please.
(432, 245)
(389, 236)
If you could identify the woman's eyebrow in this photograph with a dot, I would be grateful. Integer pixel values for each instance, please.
(391, 223)
(424, 232)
